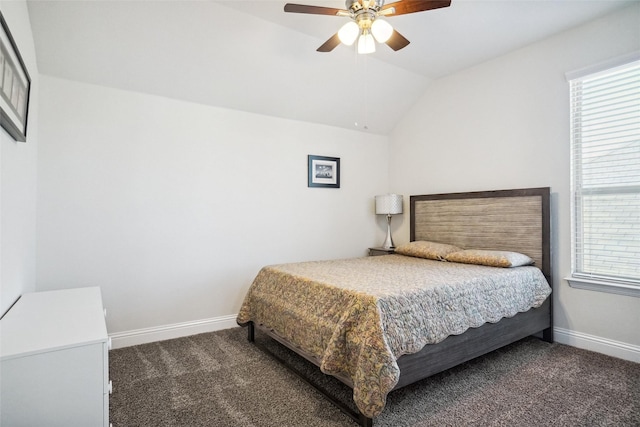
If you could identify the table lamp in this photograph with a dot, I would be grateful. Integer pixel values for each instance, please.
(389, 204)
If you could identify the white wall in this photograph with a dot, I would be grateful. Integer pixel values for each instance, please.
(505, 124)
(18, 177)
(172, 207)
(134, 189)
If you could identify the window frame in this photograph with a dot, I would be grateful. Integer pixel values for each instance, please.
(586, 281)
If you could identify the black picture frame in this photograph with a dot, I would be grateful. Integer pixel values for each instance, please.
(15, 86)
(323, 171)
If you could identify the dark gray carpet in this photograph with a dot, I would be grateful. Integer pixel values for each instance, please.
(220, 379)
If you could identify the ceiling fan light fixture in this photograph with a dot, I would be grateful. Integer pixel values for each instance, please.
(366, 43)
(349, 33)
(365, 14)
(381, 30)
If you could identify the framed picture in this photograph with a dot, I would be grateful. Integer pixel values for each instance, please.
(15, 84)
(324, 171)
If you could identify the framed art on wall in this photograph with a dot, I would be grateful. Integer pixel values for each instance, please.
(15, 84)
(324, 171)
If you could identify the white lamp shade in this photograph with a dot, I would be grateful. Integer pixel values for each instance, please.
(389, 204)
(381, 30)
(366, 43)
(349, 33)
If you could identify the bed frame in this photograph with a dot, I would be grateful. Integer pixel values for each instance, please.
(515, 220)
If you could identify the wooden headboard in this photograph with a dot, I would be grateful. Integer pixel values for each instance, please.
(513, 220)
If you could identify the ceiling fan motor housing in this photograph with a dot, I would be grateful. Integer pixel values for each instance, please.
(364, 12)
(354, 6)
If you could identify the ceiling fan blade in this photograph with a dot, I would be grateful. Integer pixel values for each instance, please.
(315, 10)
(330, 44)
(397, 41)
(413, 6)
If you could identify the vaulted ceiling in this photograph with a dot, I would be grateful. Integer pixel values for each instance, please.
(251, 56)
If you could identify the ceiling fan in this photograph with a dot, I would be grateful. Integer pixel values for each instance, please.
(365, 24)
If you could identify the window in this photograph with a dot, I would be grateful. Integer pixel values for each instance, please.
(605, 180)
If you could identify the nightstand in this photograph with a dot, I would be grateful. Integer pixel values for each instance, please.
(380, 251)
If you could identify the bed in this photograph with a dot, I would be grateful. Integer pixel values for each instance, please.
(381, 323)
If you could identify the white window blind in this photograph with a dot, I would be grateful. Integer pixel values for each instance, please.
(605, 168)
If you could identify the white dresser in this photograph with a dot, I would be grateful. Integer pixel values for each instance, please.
(54, 360)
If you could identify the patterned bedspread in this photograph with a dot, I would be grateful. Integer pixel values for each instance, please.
(357, 316)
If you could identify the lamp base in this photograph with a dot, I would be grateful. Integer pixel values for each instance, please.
(388, 242)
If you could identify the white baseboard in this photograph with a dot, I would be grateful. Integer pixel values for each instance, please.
(599, 345)
(563, 336)
(166, 332)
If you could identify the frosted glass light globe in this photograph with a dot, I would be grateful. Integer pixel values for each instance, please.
(349, 33)
(381, 30)
(366, 44)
